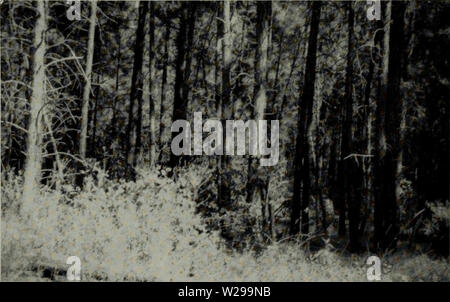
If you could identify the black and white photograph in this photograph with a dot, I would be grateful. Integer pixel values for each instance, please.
(225, 141)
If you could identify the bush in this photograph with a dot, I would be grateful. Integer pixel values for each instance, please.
(149, 230)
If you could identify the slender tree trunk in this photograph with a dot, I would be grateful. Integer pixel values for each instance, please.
(386, 208)
(257, 187)
(346, 165)
(368, 206)
(226, 57)
(183, 68)
(134, 141)
(218, 88)
(405, 213)
(263, 33)
(162, 109)
(275, 83)
(59, 166)
(94, 120)
(32, 173)
(8, 133)
(151, 48)
(225, 103)
(116, 96)
(87, 86)
(291, 72)
(218, 62)
(191, 16)
(380, 139)
(300, 200)
(239, 88)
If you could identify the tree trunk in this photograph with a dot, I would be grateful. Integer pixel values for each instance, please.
(32, 172)
(116, 95)
(94, 120)
(218, 88)
(256, 186)
(300, 200)
(386, 208)
(87, 86)
(367, 209)
(347, 168)
(225, 103)
(182, 68)
(134, 141)
(263, 33)
(218, 63)
(162, 109)
(151, 48)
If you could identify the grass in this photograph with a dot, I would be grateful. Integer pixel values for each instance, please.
(148, 231)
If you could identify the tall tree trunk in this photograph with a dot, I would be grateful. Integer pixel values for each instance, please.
(225, 103)
(218, 62)
(87, 86)
(162, 108)
(406, 213)
(346, 167)
(263, 33)
(116, 90)
(386, 208)
(300, 199)
(183, 68)
(136, 91)
(257, 187)
(226, 57)
(367, 220)
(151, 53)
(94, 120)
(218, 88)
(32, 173)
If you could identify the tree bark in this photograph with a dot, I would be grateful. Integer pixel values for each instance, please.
(32, 174)
(225, 103)
(346, 178)
(367, 209)
(182, 68)
(256, 186)
(87, 86)
(300, 200)
(116, 96)
(388, 119)
(162, 109)
(151, 141)
(94, 120)
(134, 142)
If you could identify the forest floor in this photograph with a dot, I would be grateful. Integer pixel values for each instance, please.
(148, 231)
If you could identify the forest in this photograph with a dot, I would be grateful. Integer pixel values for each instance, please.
(91, 92)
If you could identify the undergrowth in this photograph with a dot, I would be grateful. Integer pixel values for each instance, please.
(148, 230)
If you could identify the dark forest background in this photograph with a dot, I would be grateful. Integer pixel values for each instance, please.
(362, 105)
